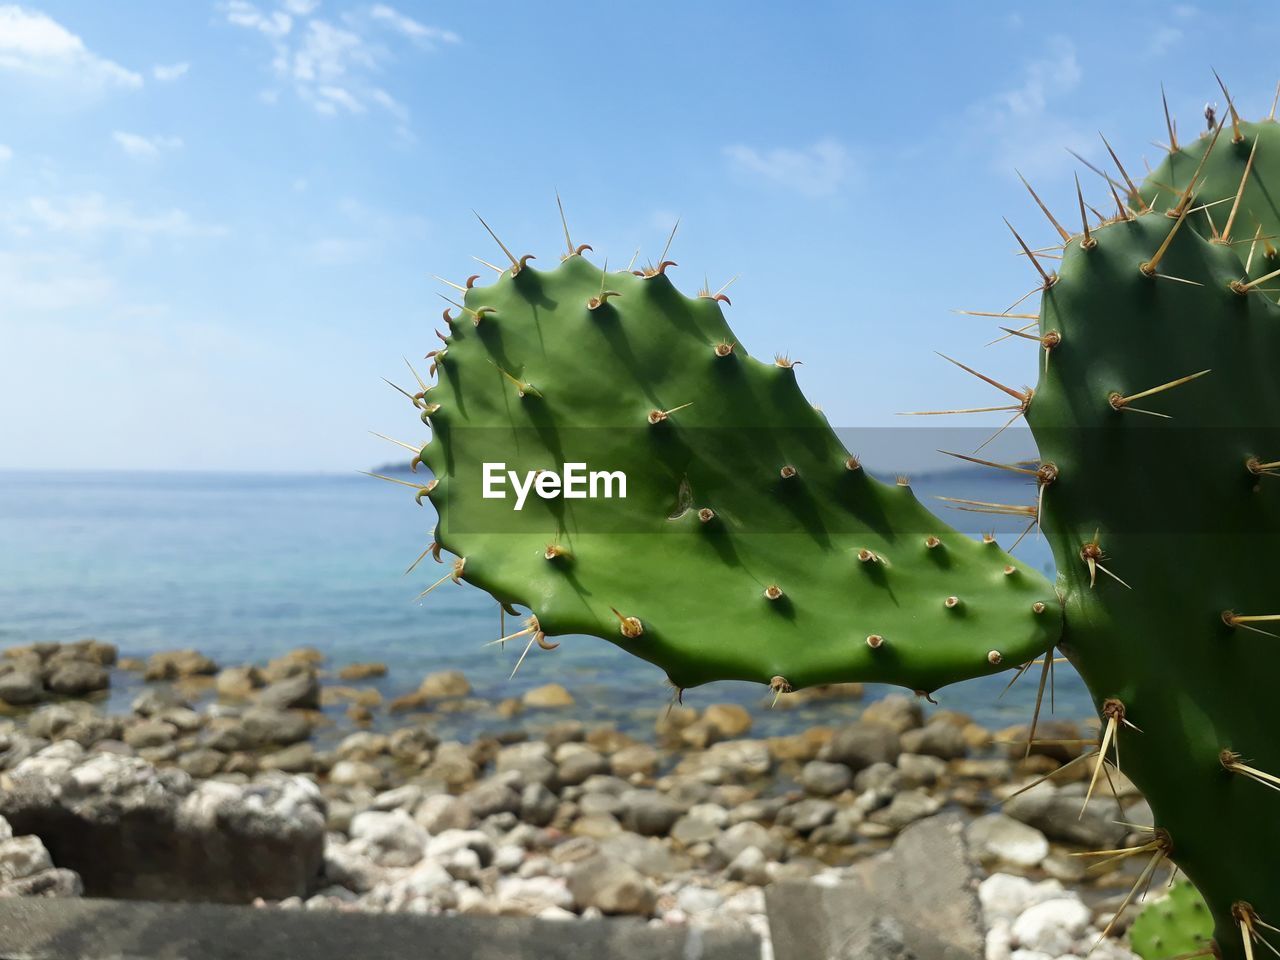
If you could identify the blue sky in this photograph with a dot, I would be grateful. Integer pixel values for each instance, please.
(218, 220)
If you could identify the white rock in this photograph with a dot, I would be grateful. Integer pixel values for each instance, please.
(390, 838)
(692, 900)
(443, 811)
(749, 866)
(508, 858)
(6, 831)
(711, 813)
(23, 857)
(999, 837)
(532, 896)
(1053, 926)
(425, 879)
(1004, 896)
(999, 942)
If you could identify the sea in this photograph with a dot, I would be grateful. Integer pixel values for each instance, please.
(244, 567)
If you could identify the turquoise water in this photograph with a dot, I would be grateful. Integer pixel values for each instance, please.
(244, 567)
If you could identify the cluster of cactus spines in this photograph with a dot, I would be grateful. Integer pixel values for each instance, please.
(1234, 197)
(1177, 925)
(752, 546)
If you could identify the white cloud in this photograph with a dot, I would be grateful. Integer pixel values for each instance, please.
(1057, 72)
(1163, 40)
(49, 282)
(168, 72)
(6, 153)
(1020, 127)
(336, 67)
(136, 145)
(92, 214)
(817, 170)
(241, 13)
(35, 45)
(411, 28)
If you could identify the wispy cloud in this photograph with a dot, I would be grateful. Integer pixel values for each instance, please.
(335, 66)
(6, 153)
(1019, 126)
(411, 28)
(137, 145)
(241, 13)
(168, 72)
(91, 215)
(816, 171)
(34, 45)
(50, 282)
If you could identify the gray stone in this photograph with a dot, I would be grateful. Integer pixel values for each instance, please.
(824, 779)
(742, 835)
(809, 921)
(905, 808)
(264, 726)
(860, 745)
(807, 815)
(55, 882)
(938, 739)
(89, 928)
(531, 761)
(538, 805)
(442, 812)
(444, 684)
(75, 678)
(648, 813)
(749, 866)
(172, 664)
(612, 887)
(298, 758)
(919, 770)
(576, 761)
(637, 759)
(928, 878)
(202, 763)
(149, 733)
(495, 795)
(156, 700)
(690, 830)
(298, 692)
(1058, 816)
(650, 856)
(897, 711)
(21, 686)
(137, 832)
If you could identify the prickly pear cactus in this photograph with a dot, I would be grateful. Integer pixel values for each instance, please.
(1160, 411)
(750, 544)
(1177, 925)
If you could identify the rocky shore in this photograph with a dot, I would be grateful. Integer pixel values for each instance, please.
(257, 783)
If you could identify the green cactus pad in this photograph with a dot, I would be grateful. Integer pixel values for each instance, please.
(1174, 926)
(750, 545)
(1176, 503)
(1255, 219)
